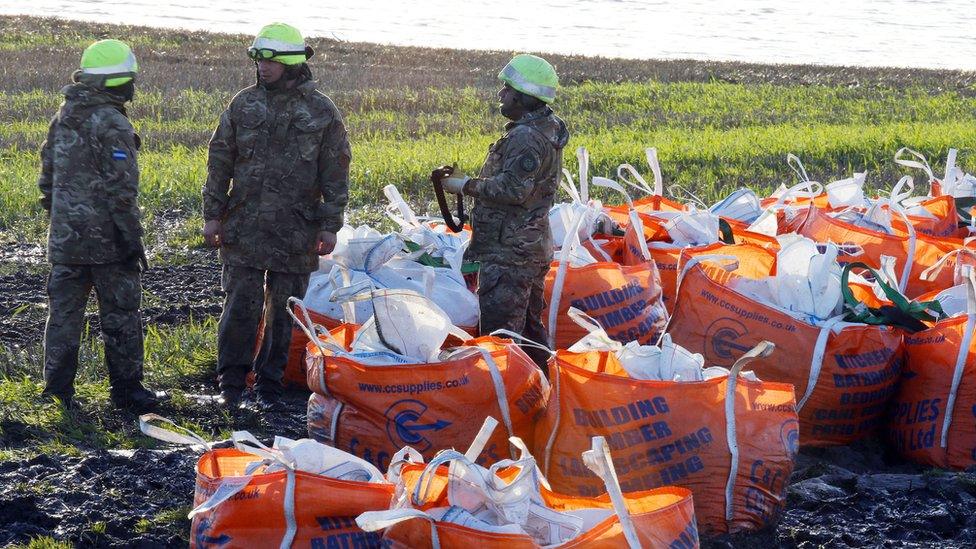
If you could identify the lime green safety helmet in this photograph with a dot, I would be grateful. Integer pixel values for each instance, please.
(531, 75)
(279, 42)
(112, 61)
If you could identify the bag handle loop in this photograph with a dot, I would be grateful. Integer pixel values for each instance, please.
(583, 157)
(920, 163)
(762, 350)
(964, 345)
(598, 460)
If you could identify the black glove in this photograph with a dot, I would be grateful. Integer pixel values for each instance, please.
(441, 173)
(137, 257)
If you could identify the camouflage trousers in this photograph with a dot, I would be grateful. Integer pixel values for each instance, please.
(512, 297)
(250, 295)
(119, 291)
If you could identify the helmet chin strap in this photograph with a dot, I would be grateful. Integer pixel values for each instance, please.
(126, 91)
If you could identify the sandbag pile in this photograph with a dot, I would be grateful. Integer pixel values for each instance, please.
(655, 307)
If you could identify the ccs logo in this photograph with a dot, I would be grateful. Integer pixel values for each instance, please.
(406, 426)
(725, 341)
(789, 433)
(205, 541)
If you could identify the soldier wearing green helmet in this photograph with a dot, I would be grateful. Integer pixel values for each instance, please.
(512, 195)
(89, 186)
(277, 185)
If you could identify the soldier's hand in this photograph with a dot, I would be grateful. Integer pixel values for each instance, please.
(211, 233)
(440, 173)
(325, 243)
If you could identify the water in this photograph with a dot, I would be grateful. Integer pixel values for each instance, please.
(904, 33)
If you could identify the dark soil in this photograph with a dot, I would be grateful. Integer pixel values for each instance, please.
(859, 496)
(63, 496)
(172, 294)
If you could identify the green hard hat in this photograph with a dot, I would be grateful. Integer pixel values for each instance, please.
(279, 42)
(531, 75)
(111, 60)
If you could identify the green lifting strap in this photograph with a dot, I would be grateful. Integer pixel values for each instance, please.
(428, 260)
(909, 315)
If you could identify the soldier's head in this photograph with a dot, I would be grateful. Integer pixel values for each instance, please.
(109, 65)
(279, 53)
(529, 83)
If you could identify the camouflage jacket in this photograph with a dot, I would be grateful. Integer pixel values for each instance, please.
(515, 190)
(278, 173)
(90, 180)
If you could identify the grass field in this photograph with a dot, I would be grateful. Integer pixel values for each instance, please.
(717, 126)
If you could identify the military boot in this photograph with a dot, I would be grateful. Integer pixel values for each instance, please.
(232, 380)
(135, 398)
(64, 400)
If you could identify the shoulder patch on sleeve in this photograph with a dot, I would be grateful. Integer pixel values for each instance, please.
(528, 162)
(119, 154)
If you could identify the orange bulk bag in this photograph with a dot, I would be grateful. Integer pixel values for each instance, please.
(945, 223)
(920, 251)
(940, 204)
(239, 503)
(731, 441)
(845, 373)
(322, 509)
(627, 300)
(377, 410)
(295, 367)
(658, 518)
(295, 374)
(933, 415)
(666, 255)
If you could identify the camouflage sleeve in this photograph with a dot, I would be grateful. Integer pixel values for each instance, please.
(514, 183)
(334, 158)
(119, 164)
(44, 181)
(220, 167)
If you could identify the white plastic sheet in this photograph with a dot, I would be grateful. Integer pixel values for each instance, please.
(846, 192)
(807, 282)
(405, 328)
(693, 228)
(314, 457)
(742, 205)
(365, 258)
(434, 239)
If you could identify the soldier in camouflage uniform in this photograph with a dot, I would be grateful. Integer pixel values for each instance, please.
(274, 198)
(513, 195)
(89, 184)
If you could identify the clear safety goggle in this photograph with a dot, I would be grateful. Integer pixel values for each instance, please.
(259, 54)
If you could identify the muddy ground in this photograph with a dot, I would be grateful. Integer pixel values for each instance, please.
(125, 491)
(172, 294)
(858, 496)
